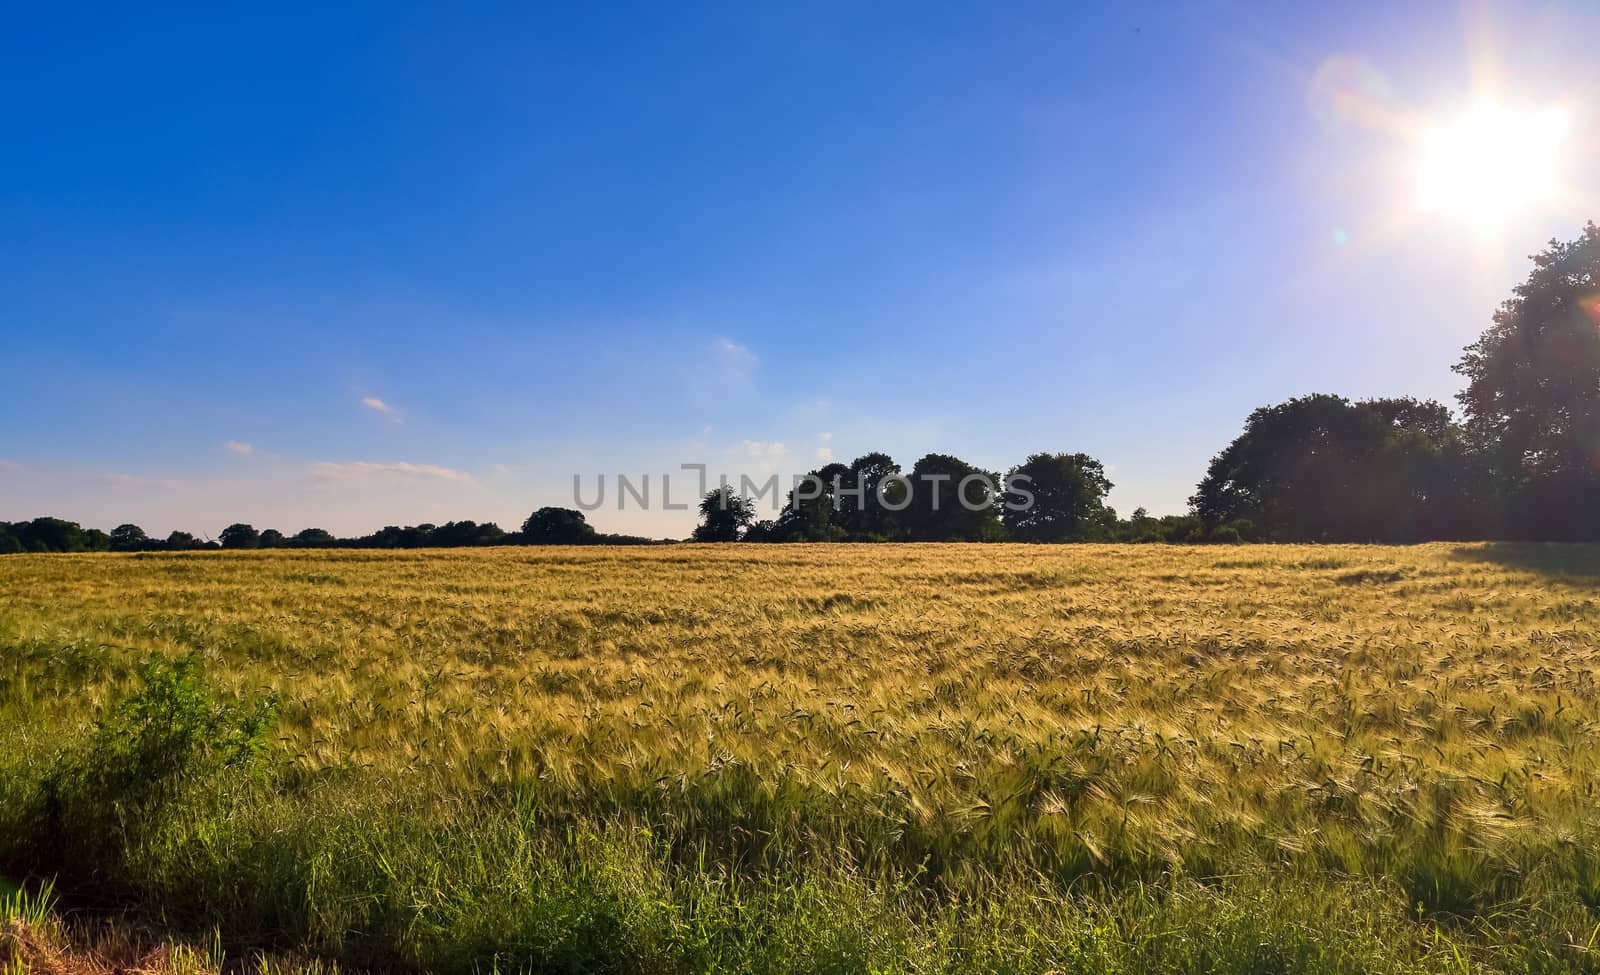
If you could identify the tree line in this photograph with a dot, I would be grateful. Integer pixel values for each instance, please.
(1048, 498)
(1521, 461)
(547, 526)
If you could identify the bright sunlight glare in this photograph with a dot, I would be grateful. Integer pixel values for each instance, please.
(1492, 164)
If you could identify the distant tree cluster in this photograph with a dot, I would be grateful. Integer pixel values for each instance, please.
(50, 535)
(547, 526)
(1323, 469)
(1048, 498)
(58, 535)
(1523, 462)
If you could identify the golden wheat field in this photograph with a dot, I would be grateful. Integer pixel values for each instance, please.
(958, 718)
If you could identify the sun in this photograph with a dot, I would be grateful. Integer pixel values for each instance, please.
(1491, 164)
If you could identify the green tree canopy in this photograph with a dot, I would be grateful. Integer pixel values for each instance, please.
(1061, 500)
(874, 515)
(1320, 468)
(239, 535)
(724, 515)
(129, 538)
(939, 485)
(1532, 400)
(557, 526)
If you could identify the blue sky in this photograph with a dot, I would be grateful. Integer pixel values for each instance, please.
(398, 264)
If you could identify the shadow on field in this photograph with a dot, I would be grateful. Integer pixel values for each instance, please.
(1577, 562)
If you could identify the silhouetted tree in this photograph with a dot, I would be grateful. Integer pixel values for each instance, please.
(1139, 527)
(239, 535)
(1532, 400)
(58, 535)
(1320, 468)
(724, 515)
(765, 530)
(314, 538)
(460, 534)
(939, 486)
(872, 515)
(129, 538)
(813, 512)
(557, 526)
(1062, 500)
(1181, 529)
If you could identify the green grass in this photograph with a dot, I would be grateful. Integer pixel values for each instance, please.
(819, 758)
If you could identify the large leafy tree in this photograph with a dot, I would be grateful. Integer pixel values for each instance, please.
(819, 515)
(557, 526)
(1320, 468)
(129, 538)
(58, 535)
(460, 534)
(240, 536)
(1532, 400)
(1065, 499)
(724, 515)
(842, 503)
(873, 516)
(936, 512)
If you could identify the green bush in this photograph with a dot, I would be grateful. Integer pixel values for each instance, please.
(146, 753)
(1225, 535)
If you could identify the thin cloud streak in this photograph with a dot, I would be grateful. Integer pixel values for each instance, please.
(123, 480)
(329, 471)
(737, 362)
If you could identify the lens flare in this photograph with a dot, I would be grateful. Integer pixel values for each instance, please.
(1491, 163)
(1348, 89)
(1591, 306)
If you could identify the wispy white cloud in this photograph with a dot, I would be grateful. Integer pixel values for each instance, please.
(329, 471)
(377, 405)
(825, 454)
(240, 448)
(122, 480)
(764, 449)
(825, 437)
(737, 363)
(761, 456)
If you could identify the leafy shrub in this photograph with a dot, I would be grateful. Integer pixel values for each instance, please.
(147, 750)
(1226, 535)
